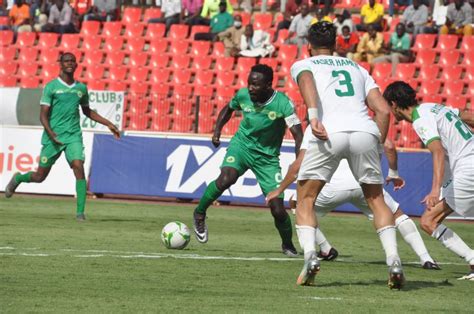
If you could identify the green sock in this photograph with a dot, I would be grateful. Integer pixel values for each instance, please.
(210, 195)
(24, 178)
(81, 195)
(285, 229)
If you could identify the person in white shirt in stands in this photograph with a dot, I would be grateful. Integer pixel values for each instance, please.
(446, 133)
(343, 188)
(255, 43)
(335, 90)
(171, 11)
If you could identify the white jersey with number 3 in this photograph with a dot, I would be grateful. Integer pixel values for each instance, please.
(342, 87)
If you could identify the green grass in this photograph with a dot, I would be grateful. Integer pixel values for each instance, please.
(66, 278)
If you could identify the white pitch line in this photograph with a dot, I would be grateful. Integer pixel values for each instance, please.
(323, 298)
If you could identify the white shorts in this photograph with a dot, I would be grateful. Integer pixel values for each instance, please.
(459, 190)
(359, 148)
(328, 200)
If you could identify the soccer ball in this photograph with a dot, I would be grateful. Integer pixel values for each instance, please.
(175, 235)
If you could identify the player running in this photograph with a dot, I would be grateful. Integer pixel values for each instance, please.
(444, 132)
(335, 89)
(255, 146)
(62, 131)
(343, 188)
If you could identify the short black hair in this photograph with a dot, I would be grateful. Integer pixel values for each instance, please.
(401, 93)
(61, 56)
(265, 70)
(346, 27)
(322, 35)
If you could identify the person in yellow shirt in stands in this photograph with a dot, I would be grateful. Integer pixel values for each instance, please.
(370, 45)
(210, 8)
(20, 17)
(320, 16)
(371, 14)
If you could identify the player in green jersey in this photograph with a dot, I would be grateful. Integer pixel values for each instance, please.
(62, 132)
(255, 146)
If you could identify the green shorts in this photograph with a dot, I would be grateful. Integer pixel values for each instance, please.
(266, 168)
(51, 152)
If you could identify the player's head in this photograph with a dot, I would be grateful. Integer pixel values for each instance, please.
(401, 97)
(67, 63)
(260, 83)
(322, 35)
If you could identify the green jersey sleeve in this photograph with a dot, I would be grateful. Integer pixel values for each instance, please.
(235, 102)
(47, 97)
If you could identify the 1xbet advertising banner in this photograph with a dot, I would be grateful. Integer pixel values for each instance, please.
(19, 152)
(182, 167)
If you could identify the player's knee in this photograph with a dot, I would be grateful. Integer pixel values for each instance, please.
(427, 224)
(278, 212)
(225, 181)
(38, 177)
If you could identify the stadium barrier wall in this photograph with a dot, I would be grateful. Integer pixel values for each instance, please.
(182, 166)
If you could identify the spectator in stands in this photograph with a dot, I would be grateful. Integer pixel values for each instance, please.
(102, 10)
(415, 17)
(319, 16)
(171, 10)
(398, 48)
(246, 5)
(20, 17)
(400, 3)
(346, 43)
(211, 8)
(255, 43)
(60, 18)
(293, 8)
(41, 15)
(316, 6)
(231, 37)
(343, 18)
(459, 19)
(299, 27)
(440, 13)
(190, 11)
(219, 23)
(370, 45)
(371, 14)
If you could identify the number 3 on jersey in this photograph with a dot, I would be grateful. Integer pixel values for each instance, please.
(346, 82)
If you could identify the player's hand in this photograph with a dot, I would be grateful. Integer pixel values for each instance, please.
(54, 138)
(271, 196)
(431, 199)
(114, 130)
(398, 182)
(216, 140)
(318, 129)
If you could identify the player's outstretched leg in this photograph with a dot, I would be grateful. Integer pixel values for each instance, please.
(12, 185)
(29, 177)
(283, 224)
(81, 189)
(410, 234)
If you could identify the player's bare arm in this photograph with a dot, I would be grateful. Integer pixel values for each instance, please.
(438, 154)
(91, 114)
(44, 119)
(392, 158)
(310, 94)
(381, 108)
(297, 133)
(224, 116)
(467, 117)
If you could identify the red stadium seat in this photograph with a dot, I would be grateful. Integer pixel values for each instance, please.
(429, 87)
(201, 63)
(470, 91)
(271, 62)
(446, 42)
(7, 80)
(182, 108)
(200, 48)
(160, 123)
(295, 96)
(117, 73)
(425, 57)
(117, 86)
(134, 30)
(428, 73)
(131, 15)
(89, 28)
(198, 29)
(450, 73)
(182, 125)
(384, 82)
(140, 88)
(231, 127)
(382, 71)
(69, 42)
(182, 92)
(115, 58)
(96, 85)
(135, 44)
(27, 69)
(181, 76)
(94, 72)
(204, 91)
(138, 59)
(159, 75)
(91, 43)
(449, 57)
(180, 61)
(151, 13)
(48, 40)
(262, 20)
(203, 78)
(282, 36)
(138, 74)
(224, 64)
(246, 17)
(453, 88)
(29, 82)
(79, 71)
(28, 54)
(178, 31)
(218, 50)
(4, 20)
(113, 44)
(365, 65)
(405, 71)
(138, 123)
(224, 94)
(154, 31)
(25, 39)
(245, 64)
(468, 59)
(159, 61)
(7, 53)
(414, 83)
(92, 57)
(49, 56)
(158, 45)
(467, 44)
(288, 52)
(111, 29)
(206, 124)
(160, 89)
(8, 68)
(179, 47)
(225, 79)
(469, 76)
(6, 38)
(437, 99)
(459, 102)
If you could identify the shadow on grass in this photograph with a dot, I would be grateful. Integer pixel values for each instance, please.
(409, 285)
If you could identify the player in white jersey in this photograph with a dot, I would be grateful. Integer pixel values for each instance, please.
(343, 188)
(335, 89)
(444, 132)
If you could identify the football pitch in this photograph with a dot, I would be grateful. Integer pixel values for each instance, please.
(115, 262)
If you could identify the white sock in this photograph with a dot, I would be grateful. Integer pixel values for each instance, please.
(307, 239)
(322, 242)
(388, 237)
(454, 243)
(410, 234)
